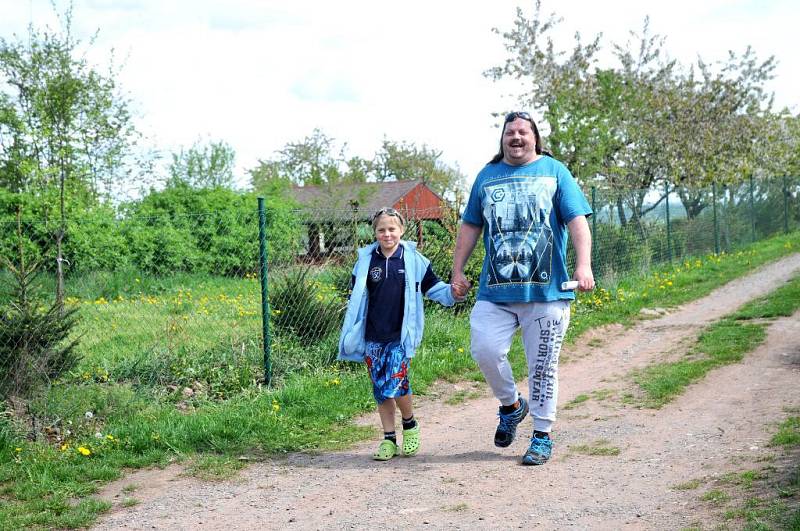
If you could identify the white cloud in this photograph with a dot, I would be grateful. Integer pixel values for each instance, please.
(260, 74)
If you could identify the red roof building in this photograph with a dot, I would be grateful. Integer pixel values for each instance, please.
(359, 202)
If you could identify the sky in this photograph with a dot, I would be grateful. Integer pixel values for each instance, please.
(259, 74)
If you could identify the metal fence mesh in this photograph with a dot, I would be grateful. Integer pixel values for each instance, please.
(173, 303)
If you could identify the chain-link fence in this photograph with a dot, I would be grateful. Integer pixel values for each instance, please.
(174, 303)
(634, 230)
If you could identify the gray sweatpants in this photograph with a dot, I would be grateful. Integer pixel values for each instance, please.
(543, 327)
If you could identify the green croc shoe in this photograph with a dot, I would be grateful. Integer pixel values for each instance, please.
(386, 450)
(411, 441)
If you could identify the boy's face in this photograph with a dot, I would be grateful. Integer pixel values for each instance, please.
(388, 232)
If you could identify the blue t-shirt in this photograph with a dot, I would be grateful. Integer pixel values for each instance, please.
(524, 211)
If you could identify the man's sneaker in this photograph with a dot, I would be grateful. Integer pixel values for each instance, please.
(507, 427)
(538, 452)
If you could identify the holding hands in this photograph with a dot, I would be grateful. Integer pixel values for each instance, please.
(460, 286)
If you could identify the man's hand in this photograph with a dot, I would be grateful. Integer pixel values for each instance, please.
(584, 277)
(460, 285)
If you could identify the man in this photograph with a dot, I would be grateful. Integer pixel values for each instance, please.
(523, 202)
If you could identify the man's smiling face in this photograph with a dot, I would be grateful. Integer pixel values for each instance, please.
(519, 142)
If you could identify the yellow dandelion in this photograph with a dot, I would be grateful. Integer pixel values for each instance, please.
(18, 449)
(84, 451)
(461, 350)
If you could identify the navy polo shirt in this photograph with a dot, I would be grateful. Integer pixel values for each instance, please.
(386, 281)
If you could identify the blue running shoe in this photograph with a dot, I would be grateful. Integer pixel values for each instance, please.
(538, 452)
(507, 427)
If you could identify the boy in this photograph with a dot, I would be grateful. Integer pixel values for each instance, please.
(384, 323)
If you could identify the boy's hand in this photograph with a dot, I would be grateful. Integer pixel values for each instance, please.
(460, 288)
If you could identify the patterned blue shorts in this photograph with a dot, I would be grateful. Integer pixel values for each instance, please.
(388, 367)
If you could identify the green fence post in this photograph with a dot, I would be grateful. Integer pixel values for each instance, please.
(716, 225)
(594, 227)
(785, 206)
(752, 212)
(669, 229)
(262, 243)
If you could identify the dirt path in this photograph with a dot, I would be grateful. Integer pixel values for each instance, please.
(461, 481)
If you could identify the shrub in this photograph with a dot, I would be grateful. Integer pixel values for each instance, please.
(211, 230)
(340, 277)
(304, 306)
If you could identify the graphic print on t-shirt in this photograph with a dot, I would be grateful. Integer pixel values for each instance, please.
(517, 214)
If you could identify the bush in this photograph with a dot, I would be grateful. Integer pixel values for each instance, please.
(156, 247)
(304, 306)
(94, 241)
(340, 277)
(211, 230)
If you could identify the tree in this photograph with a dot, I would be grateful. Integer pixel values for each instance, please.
(597, 119)
(559, 87)
(647, 122)
(313, 161)
(64, 127)
(37, 344)
(720, 127)
(268, 174)
(205, 165)
(359, 170)
(404, 161)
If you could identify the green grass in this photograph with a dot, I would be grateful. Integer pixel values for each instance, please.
(768, 498)
(600, 447)
(744, 479)
(689, 485)
(459, 397)
(722, 343)
(145, 342)
(788, 433)
(575, 402)
(716, 497)
(129, 502)
(214, 467)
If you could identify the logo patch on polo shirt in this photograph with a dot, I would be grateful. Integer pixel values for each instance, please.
(375, 274)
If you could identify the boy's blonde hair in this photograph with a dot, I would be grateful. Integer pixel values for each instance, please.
(388, 211)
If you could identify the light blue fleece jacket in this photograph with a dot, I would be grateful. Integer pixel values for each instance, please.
(352, 346)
